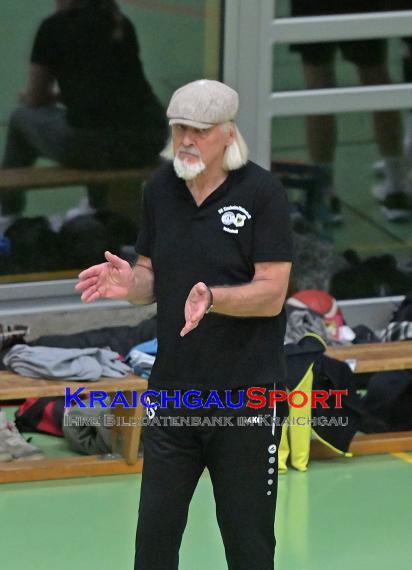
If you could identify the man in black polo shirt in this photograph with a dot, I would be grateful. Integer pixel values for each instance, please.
(214, 252)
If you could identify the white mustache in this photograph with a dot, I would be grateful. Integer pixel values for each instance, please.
(189, 150)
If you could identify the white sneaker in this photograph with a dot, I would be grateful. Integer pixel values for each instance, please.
(14, 444)
(396, 207)
(4, 454)
(381, 191)
(56, 222)
(395, 203)
(378, 168)
(391, 177)
(82, 209)
(6, 222)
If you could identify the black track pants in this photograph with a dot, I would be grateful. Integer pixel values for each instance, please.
(242, 461)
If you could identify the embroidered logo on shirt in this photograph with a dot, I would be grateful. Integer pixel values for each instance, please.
(233, 216)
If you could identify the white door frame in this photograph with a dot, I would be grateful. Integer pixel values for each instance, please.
(251, 30)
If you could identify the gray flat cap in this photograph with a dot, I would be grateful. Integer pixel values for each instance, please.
(203, 104)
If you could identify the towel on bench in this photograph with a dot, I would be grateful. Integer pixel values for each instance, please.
(65, 363)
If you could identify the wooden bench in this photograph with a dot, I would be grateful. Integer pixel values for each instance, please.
(15, 387)
(124, 188)
(377, 357)
(366, 357)
(124, 185)
(49, 177)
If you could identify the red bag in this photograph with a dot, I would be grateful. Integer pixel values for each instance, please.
(43, 415)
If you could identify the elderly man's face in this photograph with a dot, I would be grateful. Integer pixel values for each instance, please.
(196, 146)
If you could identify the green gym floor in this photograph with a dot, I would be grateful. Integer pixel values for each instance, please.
(344, 514)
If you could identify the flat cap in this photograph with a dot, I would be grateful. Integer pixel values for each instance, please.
(203, 104)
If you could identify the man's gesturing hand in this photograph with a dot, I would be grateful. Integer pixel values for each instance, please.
(110, 280)
(197, 303)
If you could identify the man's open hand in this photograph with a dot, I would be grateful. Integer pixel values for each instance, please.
(110, 280)
(197, 303)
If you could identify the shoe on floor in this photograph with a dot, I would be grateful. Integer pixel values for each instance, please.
(385, 189)
(378, 169)
(6, 222)
(82, 209)
(396, 207)
(14, 444)
(380, 191)
(4, 454)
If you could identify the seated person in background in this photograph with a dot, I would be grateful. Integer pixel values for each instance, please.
(370, 57)
(110, 117)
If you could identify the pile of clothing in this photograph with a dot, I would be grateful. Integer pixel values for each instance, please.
(379, 402)
(112, 351)
(314, 321)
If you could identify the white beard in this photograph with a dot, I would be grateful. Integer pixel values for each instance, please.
(188, 171)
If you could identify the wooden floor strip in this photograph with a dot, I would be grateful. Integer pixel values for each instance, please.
(65, 468)
(368, 444)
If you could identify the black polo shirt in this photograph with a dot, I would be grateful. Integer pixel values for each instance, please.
(243, 221)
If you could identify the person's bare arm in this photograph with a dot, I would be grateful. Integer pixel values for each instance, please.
(40, 87)
(262, 297)
(142, 290)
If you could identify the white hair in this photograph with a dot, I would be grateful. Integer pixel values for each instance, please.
(236, 154)
(168, 152)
